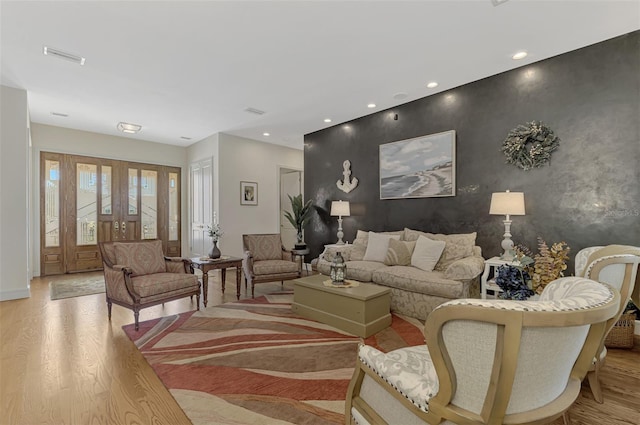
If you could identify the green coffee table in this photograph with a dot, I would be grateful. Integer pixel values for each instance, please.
(362, 310)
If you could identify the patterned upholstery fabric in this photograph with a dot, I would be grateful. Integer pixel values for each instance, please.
(409, 370)
(175, 265)
(357, 251)
(362, 270)
(274, 267)
(414, 304)
(581, 259)
(142, 257)
(264, 247)
(115, 286)
(161, 283)
(457, 246)
(416, 280)
(399, 253)
(465, 268)
(330, 253)
(564, 294)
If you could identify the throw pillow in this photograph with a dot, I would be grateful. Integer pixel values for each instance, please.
(330, 253)
(377, 246)
(357, 251)
(457, 246)
(399, 253)
(427, 253)
(142, 257)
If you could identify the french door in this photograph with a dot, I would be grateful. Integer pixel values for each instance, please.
(86, 200)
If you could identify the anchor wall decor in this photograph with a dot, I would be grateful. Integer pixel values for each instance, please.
(347, 184)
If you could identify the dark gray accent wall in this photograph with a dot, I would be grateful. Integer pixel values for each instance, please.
(588, 195)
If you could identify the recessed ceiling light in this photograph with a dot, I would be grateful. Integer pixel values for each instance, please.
(125, 127)
(432, 84)
(266, 134)
(48, 51)
(327, 120)
(59, 114)
(519, 55)
(371, 105)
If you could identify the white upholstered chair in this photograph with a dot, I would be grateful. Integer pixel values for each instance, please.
(616, 265)
(488, 361)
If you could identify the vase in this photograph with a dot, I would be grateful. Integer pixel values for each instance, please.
(215, 251)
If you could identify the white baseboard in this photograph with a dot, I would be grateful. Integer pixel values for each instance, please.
(15, 294)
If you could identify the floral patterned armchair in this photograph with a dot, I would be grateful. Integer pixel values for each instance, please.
(266, 260)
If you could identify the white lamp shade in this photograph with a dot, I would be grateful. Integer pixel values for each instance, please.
(340, 208)
(507, 203)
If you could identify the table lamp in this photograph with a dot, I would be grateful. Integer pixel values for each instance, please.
(340, 209)
(507, 203)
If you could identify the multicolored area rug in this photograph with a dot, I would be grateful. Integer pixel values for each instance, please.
(255, 362)
(69, 288)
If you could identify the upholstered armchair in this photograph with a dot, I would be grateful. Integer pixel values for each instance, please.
(138, 275)
(616, 265)
(266, 260)
(487, 361)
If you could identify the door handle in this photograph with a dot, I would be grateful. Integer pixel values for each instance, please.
(116, 227)
(124, 228)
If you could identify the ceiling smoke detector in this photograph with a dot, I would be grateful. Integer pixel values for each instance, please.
(254, 111)
(48, 51)
(125, 127)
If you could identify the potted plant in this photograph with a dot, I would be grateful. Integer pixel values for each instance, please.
(215, 232)
(300, 215)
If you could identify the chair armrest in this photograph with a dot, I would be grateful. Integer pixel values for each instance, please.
(247, 263)
(465, 268)
(287, 254)
(178, 265)
(117, 276)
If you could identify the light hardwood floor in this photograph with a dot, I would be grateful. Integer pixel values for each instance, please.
(63, 362)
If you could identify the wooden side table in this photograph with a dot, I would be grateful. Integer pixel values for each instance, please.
(222, 263)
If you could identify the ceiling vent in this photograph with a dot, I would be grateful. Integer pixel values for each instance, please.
(498, 2)
(254, 111)
(63, 55)
(59, 114)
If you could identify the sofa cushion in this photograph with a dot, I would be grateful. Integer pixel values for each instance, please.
(377, 246)
(427, 253)
(141, 257)
(457, 245)
(362, 270)
(413, 279)
(274, 267)
(330, 253)
(162, 283)
(264, 247)
(465, 268)
(399, 253)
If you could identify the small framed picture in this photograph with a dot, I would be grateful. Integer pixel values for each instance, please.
(248, 193)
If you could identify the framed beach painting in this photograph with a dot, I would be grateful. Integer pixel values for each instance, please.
(422, 167)
(248, 193)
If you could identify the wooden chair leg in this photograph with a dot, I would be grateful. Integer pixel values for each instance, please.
(565, 418)
(109, 304)
(136, 315)
(197, 300)
(594, 383)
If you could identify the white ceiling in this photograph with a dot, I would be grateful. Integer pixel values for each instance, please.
(191, 68)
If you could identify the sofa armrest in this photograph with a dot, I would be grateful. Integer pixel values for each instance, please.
(287, 254)
(118, 284)
(465, 268)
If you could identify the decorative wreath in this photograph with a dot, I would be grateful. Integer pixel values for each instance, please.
(530, 145)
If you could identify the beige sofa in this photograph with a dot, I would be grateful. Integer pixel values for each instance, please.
(415, 292)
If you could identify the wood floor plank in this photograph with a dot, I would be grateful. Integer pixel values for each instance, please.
(63, 362)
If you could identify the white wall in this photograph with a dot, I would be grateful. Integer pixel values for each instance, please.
(63, 140)
(14, 190)
(249, 160)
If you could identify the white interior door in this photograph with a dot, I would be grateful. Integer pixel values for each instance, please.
(290, 184)
(201, 184)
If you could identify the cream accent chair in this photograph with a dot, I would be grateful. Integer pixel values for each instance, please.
(138, 275)
(488, 361)
(267, 260)
(616, 265)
